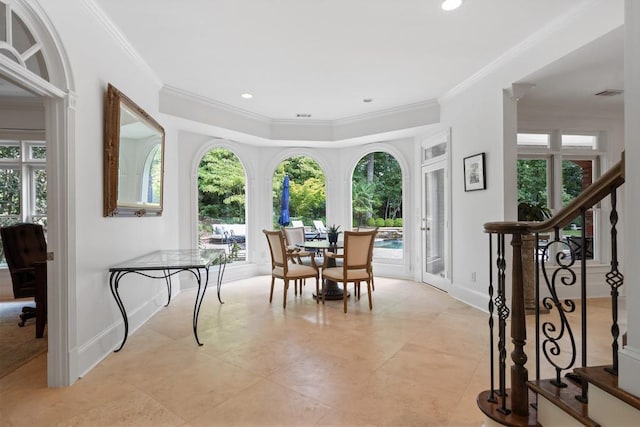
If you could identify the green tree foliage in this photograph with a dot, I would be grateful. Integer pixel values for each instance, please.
(532, 181)
(362, 204)
(383, 172)
(571, 180)
(307, 196)
(221, 187)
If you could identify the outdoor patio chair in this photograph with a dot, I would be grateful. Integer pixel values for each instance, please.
(356, 266)
(319, 226)
(283, 267)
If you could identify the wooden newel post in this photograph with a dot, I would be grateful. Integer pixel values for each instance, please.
(519, 373)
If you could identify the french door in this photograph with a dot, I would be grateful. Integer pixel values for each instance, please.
(435, 225)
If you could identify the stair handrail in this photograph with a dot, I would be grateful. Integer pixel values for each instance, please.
(603, 187)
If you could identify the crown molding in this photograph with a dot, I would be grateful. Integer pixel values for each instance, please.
(217, 105)
(395, 111)
(120, 39)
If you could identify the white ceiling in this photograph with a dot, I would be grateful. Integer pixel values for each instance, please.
(323, 57)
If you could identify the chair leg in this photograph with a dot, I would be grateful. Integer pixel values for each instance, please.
(286, 288)
(273, 281)
(369, 289)
(318, 291)
(344, 296)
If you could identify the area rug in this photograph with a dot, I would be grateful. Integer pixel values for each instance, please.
(17, 345)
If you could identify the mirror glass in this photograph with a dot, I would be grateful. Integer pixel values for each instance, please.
(134, 151)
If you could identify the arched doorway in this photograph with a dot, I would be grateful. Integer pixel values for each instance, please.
(32, 60)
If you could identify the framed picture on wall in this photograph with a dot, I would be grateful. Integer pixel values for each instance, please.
(474, 176)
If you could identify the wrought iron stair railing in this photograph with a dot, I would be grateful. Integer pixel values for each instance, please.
(556, 343)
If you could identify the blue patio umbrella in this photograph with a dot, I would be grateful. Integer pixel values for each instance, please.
(284, 203)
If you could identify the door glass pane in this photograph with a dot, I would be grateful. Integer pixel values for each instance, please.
(434, 185)
(22, 38)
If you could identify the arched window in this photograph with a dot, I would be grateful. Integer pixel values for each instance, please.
(18, 43)
(377, 202)
(307, 194)
(222, 203)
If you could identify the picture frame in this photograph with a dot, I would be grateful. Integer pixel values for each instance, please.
(474, 173)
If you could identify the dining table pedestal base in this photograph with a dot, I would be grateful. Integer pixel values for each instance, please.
(332, 291)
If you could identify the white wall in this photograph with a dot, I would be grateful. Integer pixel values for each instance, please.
(480, 118)
(96, 58)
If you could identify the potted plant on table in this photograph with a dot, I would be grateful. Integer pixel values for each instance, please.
(332, 234)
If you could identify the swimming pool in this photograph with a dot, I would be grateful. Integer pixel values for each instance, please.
(389, 244)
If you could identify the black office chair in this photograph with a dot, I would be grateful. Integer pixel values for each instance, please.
(25, 250)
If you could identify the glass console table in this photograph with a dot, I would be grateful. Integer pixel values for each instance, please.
(163, 264)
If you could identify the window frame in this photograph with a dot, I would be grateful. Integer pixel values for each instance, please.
(555, 154)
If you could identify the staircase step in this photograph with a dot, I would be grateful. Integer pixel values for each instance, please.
(600, 377)
(565, 399)
(492, 412)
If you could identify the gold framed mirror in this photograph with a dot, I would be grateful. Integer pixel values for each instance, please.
(133, 158)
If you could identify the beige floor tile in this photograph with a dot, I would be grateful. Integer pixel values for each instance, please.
(266, 404)
(419, 358)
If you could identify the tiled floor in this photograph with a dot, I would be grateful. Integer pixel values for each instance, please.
(419, 358)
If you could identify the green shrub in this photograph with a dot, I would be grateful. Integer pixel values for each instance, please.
(388, 222)
(379, 222)
(397, 222)
(371, 222)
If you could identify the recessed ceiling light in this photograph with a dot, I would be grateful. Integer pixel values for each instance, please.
(246, 96)
(367, 100)
(451, 4)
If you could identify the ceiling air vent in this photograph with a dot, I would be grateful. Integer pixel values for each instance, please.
(303, 115)
(610, 92)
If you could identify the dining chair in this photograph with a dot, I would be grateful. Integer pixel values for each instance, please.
(356, 266)
(283, 266)
(364, 228)
(294, 236)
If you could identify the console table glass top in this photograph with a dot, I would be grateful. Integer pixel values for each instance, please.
(172, 258)
(163, 264)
